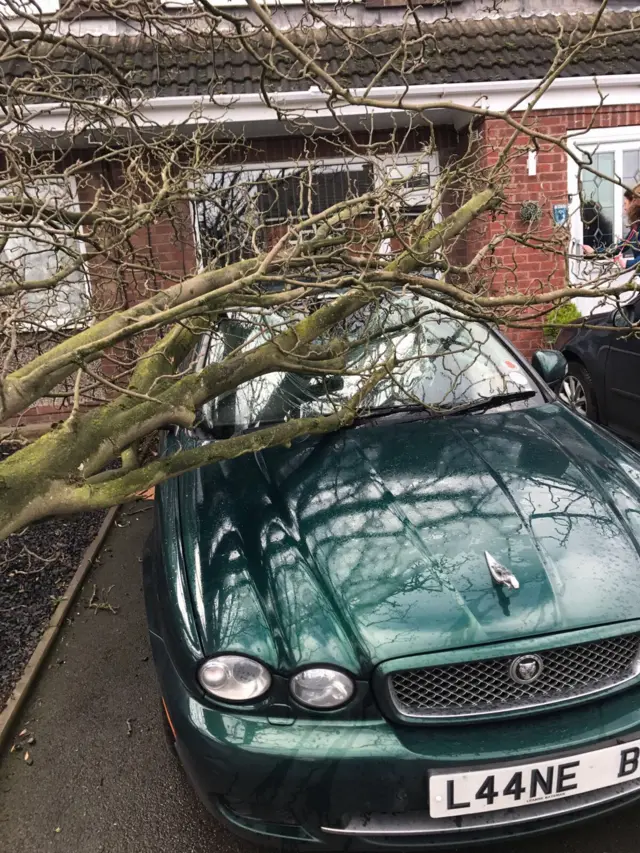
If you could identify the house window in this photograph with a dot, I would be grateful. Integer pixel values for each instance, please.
(602, 210)
(38, 249)
(246, 209)
(596, 202)
(596, 205)
(294, 194)
(414, 184)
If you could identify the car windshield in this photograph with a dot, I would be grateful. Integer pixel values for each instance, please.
(443, 364)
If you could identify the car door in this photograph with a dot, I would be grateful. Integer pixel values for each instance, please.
(622, 376)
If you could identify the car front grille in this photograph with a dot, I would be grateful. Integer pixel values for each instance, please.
(489, 686)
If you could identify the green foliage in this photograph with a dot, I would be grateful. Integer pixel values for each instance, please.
(559, 316)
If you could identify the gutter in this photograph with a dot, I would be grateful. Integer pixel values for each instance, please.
(249, 108)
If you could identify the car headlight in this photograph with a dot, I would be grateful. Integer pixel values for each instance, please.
(322, 687)
(234, 678)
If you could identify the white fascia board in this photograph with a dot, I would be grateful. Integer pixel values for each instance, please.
(250, 108)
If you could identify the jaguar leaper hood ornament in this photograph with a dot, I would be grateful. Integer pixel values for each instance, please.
(501, 575)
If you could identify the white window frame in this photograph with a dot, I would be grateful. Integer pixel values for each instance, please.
(402, 162)
(601, 140)
(50, 322)
(387, 160)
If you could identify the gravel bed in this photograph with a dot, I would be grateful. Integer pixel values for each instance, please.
(36, 566)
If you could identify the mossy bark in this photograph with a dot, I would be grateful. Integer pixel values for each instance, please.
(57, 473)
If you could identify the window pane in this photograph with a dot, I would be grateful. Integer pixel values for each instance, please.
(285, 198)
(239, 202)
(227, 219)
(332, 186)
(597, 199)
(631, 167)
(39, 253)
(413, 187)
(296, 195)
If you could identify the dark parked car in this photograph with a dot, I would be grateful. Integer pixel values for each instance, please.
(603, 379)
(422, 630)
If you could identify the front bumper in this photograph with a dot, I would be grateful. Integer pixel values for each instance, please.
(363, 785)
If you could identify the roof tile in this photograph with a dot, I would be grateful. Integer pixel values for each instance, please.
(456, 51)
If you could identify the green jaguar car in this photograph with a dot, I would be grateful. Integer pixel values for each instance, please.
(419, 631)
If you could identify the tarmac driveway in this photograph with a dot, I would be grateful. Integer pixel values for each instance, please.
(102, 778)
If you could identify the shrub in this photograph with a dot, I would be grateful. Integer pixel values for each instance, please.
(559, 316)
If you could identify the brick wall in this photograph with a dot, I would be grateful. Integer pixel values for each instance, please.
(512, 267)
(170, 248)
(157, 256)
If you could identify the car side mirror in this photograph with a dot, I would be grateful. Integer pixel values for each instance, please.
(621, 319)
(551, 365)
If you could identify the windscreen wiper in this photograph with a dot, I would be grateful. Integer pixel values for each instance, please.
(444, 411)
(490, 402)
(384, 411)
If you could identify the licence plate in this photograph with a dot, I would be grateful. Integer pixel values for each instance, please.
(454, 794)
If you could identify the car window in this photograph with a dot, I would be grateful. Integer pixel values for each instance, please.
(442, 362)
